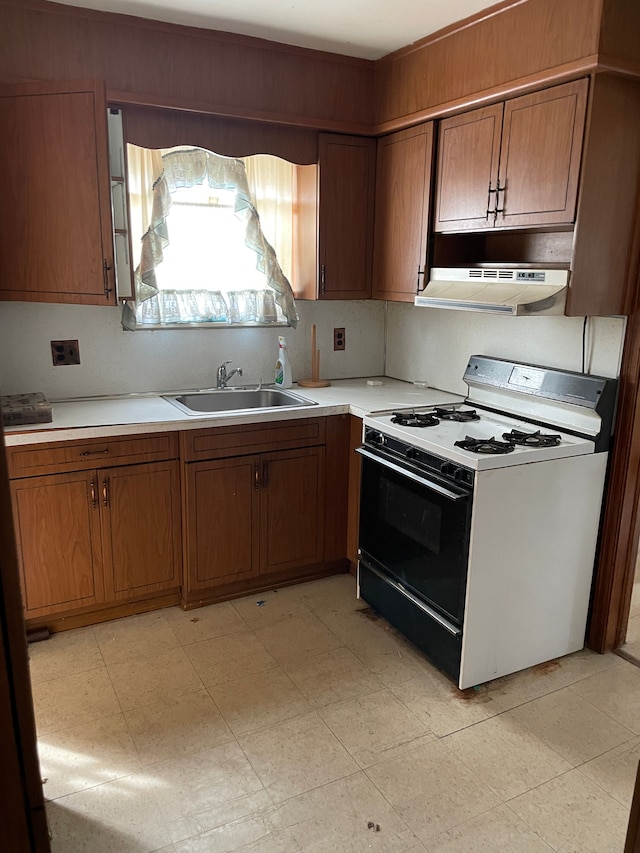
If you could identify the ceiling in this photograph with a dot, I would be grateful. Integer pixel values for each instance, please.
(365, 28)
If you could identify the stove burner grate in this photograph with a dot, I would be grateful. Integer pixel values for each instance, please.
(485, 445)
(462, 415)
(414, 419)
(532, 439)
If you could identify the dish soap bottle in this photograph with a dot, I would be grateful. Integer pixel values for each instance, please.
(283, 368)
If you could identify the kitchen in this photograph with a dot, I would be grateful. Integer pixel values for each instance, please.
(393, 339)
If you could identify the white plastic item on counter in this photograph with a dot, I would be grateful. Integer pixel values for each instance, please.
(283, 367)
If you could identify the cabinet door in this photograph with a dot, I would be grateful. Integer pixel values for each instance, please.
(221, 521)
(58, 238)
(403, 176)
(291, 510)
(540, 157)
(468, 158)
(140, 514)
(57, 524)
(345, 227)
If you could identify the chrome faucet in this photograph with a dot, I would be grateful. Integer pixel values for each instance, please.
(222, 377)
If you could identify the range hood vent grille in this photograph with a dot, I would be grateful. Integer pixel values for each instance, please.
(514, 291)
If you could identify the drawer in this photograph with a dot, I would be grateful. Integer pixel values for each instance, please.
(60, 456)
(218, 442)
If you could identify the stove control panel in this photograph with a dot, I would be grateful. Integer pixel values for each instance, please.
(416, 458)
(457, 473)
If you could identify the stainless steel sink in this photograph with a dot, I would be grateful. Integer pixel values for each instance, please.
(236, 400)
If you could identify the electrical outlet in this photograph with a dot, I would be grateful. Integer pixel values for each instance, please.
(339, 339)
(65, 352)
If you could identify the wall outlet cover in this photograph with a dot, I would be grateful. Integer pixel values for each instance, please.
(339, 339)
(65, 352)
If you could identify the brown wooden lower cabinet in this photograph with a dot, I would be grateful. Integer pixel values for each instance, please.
(274, 516)
(253, 515)
(268, 506)
(87, 539)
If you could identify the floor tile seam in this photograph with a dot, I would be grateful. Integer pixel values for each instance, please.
(264, 726)
(543, 743)
(91, 787)
(183, 692)
(232, 602)
(533, 788)
(136, 657)
(275, 725)
(416, 801)
(39, 681)
(480, 814)
(606, 713)
(455, 731)
(631, 734)
(277, 805)
(354, 754)
(626, 804)
(507, 803)
(235, 678)
(305, 657)
(526, 793)
(240, 630)
(542, 695)
(195, 816)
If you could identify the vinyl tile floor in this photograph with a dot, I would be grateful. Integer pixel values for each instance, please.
(298, 721)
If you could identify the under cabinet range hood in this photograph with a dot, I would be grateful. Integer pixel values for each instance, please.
(497, 290)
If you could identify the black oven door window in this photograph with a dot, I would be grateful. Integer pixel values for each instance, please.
(416, 534)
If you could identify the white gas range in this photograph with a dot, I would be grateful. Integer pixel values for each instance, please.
(478, 537)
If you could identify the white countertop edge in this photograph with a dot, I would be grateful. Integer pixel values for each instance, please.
(152, 414)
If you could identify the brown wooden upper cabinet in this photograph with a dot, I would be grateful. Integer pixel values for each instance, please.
(514, 164)
(401, 230)
(336, 217)
(56, 243)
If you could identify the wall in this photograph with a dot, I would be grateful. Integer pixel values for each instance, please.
(115, 362)
(428, 344)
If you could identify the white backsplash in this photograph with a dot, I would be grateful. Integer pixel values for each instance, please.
(421, 344)
(115, 362)
(434, 345)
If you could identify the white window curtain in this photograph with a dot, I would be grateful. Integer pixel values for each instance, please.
(155, 177)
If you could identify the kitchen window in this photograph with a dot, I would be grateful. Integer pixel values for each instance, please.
(215, 238)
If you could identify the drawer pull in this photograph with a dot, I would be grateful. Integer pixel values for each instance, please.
(94, 452)
(92, 488)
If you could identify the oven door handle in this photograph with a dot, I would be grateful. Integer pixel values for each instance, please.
(429, 484)
(444, 623)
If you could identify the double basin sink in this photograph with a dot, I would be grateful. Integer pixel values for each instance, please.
(224, 400)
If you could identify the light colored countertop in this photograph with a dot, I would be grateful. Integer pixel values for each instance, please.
(145, 413)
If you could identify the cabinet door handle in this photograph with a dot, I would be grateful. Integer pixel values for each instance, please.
(106, 266)
(105, 492)
(265, 473)
(418, 288)
(92, 490)
(499, 190)
(323, 279)
(94, 452)
(256, 476)
(490, 210)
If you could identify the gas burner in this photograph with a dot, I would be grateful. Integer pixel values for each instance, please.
(462, 415)
(532, 439)
(485, 445)
(414, 419)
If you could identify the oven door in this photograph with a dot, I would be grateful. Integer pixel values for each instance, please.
(416, 529)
